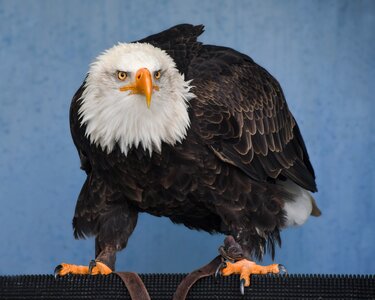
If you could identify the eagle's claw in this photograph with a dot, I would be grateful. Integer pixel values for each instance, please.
(92, 265)
(97, 267)
(242, 286)
(57, 271)
(222, 265)
(282, 269)
(245, 268)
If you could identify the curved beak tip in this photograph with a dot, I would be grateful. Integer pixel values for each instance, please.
(148, 101)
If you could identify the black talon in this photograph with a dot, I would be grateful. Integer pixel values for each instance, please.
(57, 270)
(217, 272)
(92, 264)
(219, 268)
(242, 287)
(282, 270)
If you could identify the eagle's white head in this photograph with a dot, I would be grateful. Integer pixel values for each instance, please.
(135, 96)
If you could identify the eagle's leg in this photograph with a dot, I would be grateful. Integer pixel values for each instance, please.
(112, 237)
(235, 262)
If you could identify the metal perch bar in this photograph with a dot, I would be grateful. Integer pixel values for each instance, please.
(163, 286)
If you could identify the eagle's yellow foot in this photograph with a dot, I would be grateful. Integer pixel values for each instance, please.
(246, 268)
(95, 268)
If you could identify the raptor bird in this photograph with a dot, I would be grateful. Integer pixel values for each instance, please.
(197, 133)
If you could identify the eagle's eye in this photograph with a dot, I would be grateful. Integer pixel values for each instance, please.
(157, 74)
(121, 75)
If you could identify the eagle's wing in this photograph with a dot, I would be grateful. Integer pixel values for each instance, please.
(95, 193)
(90, 200)
(240, 112)
(77, 131)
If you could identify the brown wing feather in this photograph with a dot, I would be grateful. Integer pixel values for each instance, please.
(180, 42)
(93, 193)
(240, 112)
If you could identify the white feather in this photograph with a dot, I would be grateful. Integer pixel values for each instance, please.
(115, 117)
(299, 208)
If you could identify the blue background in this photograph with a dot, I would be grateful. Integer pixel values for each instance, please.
(323, 54)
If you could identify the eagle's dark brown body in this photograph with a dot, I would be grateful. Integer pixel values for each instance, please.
(221, 178)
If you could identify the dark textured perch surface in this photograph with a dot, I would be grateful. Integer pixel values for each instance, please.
(162, 286)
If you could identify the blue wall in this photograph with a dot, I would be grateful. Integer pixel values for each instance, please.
(323, 54)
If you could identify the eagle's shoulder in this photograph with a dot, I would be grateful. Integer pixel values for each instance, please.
(180, 42)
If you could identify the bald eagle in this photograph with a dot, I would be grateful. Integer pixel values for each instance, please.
(197, 133)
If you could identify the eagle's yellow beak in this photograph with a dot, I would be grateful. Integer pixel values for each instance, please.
(143, 85)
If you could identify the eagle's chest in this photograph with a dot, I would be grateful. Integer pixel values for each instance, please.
(159, 182)
(185, 183)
